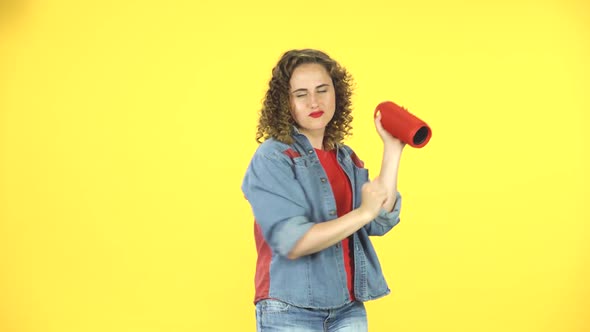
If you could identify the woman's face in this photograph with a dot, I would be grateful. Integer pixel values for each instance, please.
(312, 98)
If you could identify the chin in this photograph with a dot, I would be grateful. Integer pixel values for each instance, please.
(317, 128)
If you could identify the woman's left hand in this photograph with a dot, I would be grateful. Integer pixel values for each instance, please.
(389, 141)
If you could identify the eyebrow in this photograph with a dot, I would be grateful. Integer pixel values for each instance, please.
(317, 87)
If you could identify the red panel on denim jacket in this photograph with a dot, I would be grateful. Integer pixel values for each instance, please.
(262, 278)
(343, 195)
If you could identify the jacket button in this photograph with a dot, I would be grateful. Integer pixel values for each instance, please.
(323, 180)
(332, 212)
(310, 151)
(337, 245)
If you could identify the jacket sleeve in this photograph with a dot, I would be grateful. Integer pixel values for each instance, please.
(385, 221)
(277, 200)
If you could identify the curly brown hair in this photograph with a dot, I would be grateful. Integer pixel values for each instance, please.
(275, 117)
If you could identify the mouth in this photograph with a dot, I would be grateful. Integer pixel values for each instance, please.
(316, 114)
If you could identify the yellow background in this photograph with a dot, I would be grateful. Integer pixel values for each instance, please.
(126, 128)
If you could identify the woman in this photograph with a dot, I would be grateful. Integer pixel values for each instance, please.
(313, 203)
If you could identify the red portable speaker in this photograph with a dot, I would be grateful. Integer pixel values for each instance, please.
(403, 124)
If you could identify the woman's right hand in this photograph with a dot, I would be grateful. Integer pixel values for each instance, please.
(374, 195)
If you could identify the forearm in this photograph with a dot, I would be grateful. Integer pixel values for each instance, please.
(388, 174)
(325, 234)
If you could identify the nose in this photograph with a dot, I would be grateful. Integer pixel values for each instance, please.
(314, 103)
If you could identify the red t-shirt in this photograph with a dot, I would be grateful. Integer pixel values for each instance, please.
(343, 195)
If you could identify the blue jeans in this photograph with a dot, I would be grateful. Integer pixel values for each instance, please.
(277, 316)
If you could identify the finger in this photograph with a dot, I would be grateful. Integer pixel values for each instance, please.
(378, 122)
(378, 117)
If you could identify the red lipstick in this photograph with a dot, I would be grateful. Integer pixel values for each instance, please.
(316, 114)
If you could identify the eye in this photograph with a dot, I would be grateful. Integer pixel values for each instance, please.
(300, 95)
(323, 91)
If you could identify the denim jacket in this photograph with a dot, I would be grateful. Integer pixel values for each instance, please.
(288, 191)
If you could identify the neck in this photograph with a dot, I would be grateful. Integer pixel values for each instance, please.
(316, 138)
